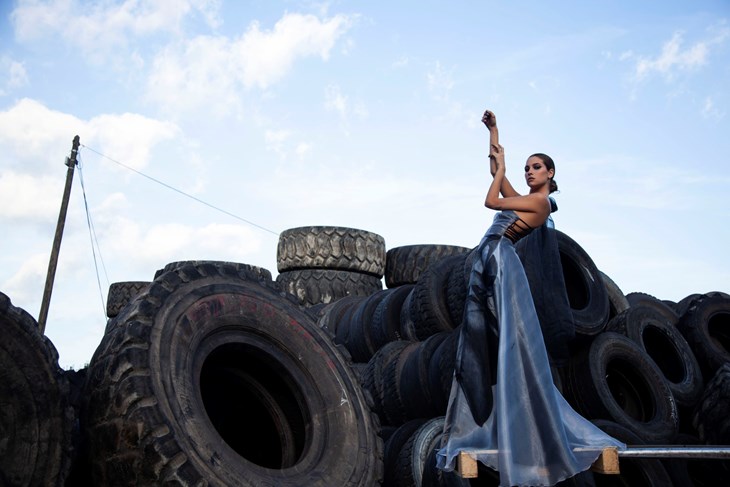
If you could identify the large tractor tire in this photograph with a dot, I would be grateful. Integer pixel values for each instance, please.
(214, 377)
(35, 416)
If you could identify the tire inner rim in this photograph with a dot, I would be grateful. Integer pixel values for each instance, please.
(254, 405)
(630, 390)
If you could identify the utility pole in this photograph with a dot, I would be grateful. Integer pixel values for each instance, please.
(71, 163)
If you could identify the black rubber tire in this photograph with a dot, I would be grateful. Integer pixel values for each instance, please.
(429, 307)
(386, 319)
(441, 370)
(216, 378)
(314, 286)
(407, 321)
(373, 376)
(343, 327)
(404, 265)
(586, 291)
(394, 407)
(330, 316)
(617, 301)
(263, 273)
(394, 446)
(414, 380)
(325, 247)
(643, 299)
(360, 341)
(706, 326)
(615, 379)
(411, 461)
(456, 290)
(36, 418)
(711, 417)
(435, 477)
(684, 303)
(121, 293)
(634, 472)
(696, 472)
(657, 336)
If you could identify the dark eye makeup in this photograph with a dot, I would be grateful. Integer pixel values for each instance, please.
(534, 166)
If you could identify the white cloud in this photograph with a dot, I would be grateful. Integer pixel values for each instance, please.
(32, 134)
(153, 247)
(199, 73)
(29, 276)
(99, 28)
(280, 142)
(672, 58)
(676, 57)
(26, 197)
(37, 135)
(440, 82)
(709, 110)
(275, 140)
(212, 70)
(335, 100)
(12, 75)
(634, 183)
(303, 149)
(34, 140)
(129, 137)
(401, 62)
(265, 56)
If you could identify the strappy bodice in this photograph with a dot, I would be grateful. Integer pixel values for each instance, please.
(517, 229)
(508, 224)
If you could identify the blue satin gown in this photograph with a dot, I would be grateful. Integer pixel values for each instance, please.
(503, 400)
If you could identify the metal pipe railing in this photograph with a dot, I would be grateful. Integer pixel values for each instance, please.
(676, 451)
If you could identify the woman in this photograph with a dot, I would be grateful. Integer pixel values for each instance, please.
(503, 401)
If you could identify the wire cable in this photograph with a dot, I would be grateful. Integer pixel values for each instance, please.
(183, 193)
(92, 237)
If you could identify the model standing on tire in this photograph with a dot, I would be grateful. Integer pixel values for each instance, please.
(502, 395)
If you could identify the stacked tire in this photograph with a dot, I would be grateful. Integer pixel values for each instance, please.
(321, 264)
(215, 374)
(633, 368)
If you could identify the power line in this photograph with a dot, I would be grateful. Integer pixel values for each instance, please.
(92, 236)
(183, 192)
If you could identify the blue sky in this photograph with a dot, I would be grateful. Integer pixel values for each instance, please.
(358, 114)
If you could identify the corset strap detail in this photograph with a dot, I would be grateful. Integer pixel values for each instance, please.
(517, 229)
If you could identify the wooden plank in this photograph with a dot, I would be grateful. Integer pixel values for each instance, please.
(466, 466)
(607, 462)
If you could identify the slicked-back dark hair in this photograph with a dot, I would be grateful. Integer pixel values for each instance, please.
(550, 164)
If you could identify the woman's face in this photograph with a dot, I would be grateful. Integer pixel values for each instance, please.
(536, 172)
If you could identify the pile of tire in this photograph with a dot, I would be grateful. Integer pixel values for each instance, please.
(214, 373)
(647, 371)
(320, 265)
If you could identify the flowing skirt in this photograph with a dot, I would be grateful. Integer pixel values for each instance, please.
(503, 400)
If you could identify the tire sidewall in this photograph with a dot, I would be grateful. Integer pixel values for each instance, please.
(199, 316)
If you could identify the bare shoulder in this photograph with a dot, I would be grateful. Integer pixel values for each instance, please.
(540, 200)
(536, 211)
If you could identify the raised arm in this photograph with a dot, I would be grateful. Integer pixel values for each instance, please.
(534, 208)
(490, 120)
